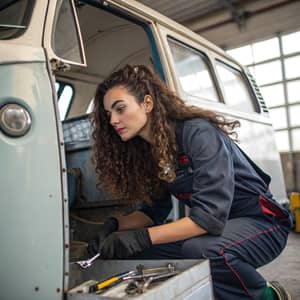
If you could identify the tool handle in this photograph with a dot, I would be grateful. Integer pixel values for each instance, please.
(107, 282)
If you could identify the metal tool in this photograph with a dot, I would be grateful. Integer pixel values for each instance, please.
(110, 282)
(140, 282)
(158, 277)
(133, 288)
(88, 262)
(145, 271)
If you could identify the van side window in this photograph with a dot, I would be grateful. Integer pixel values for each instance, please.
(193, 72)
(65, 93)
(65, 40)
(237, 94)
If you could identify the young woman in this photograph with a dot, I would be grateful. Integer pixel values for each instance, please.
(150, 145)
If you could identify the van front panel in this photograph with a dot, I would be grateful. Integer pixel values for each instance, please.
(31, 193)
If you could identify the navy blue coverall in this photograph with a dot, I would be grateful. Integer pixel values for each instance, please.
(228, 196)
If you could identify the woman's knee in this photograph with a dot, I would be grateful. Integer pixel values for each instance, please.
(200, 247)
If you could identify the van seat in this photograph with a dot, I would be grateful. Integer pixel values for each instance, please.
(77, 129)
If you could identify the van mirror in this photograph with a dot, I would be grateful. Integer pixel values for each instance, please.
(66, 41)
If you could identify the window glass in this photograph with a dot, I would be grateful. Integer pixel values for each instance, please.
(65, 42)
(57, 86)
(294, 111)
(266, 50)
(291, 43)
(273, 94)
(278, 117)
(282, 140)
(193, 72)
(292, 67)
(236, 91)
(293, 89)
(268, 73)
(90, 107)
(296, 139)
(14, 17)
(65, 96)
(242, 55)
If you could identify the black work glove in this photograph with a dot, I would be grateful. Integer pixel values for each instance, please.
(109, 226)
(124, 244)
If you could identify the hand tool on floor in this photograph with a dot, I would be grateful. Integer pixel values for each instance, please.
(88, 262)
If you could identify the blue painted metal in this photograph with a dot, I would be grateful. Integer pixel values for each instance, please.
(31, 215)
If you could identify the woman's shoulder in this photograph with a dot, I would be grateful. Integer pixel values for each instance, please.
(201, 135)
(202, 129)
(197, 128)
(198, 124)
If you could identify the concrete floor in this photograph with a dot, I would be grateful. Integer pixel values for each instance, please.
(286, 268)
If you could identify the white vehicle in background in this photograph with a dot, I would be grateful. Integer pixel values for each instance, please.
(53, 53)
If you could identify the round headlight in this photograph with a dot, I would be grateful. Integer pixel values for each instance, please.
(15, 120)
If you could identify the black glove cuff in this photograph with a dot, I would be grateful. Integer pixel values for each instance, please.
(144, 237)
(112, 224)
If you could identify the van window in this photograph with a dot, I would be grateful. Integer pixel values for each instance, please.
(193, 71)
(65, 93)
(65, 40)
(237, 94)
(14, 17)
(90, 107)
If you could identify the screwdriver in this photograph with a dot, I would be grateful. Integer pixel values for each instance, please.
(110, 282)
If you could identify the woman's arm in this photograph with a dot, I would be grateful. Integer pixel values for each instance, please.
(178, 230)
(181, 229)
(135, 220)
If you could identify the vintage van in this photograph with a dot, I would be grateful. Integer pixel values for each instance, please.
(53, 53)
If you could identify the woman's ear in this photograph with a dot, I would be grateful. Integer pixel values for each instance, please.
(148, 103)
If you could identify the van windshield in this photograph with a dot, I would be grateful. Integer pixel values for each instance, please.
(14, 17)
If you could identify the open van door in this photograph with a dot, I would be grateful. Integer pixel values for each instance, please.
(62, 39)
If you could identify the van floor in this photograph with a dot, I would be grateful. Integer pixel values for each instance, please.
(286, 268)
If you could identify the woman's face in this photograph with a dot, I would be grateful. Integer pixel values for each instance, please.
(128, 117)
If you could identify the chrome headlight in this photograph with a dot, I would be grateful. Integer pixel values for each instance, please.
(15, 120)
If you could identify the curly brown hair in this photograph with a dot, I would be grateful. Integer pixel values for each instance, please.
(134, 170)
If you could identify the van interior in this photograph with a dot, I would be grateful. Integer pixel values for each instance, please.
(111, 41)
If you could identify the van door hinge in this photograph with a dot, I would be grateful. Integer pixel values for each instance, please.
(59, 65)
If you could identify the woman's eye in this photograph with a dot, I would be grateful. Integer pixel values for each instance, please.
(121, 108)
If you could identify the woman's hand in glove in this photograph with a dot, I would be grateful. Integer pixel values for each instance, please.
(109, 226)
(124, 244)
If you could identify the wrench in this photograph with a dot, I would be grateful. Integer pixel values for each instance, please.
(88, 262)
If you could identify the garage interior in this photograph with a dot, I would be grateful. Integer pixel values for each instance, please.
(265, 37)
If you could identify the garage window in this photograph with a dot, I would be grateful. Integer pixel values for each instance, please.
(275, 63)
(193, 73)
